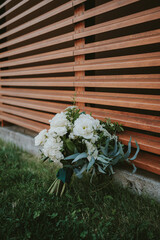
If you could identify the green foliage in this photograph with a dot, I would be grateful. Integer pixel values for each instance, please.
(113, 127)
(97, 211)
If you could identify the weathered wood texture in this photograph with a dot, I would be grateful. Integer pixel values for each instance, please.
(105, 56)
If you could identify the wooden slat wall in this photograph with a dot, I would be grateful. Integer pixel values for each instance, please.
(105, 54)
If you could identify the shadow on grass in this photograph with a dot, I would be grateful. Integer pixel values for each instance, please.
(101, 210)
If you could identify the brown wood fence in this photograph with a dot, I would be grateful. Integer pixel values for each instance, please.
(103, 54)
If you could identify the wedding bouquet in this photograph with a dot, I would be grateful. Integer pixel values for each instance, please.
(77, 142)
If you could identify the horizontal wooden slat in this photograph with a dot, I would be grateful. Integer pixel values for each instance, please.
(40, 94)
(134, 40)
(130, 20)
(38, 19)
(149, 102)
(87, 93)
(33, 115)
(32, 9)
(41, 31)
(146, 142)
(68, 52)
(148, 162)
(13, 8)
(136, 63)
(151, 81)
(6, 2)
(35, 104)
(38, 45)
(127, 119)
(53, 68)
(25, 13)
(127, 102)
(130, 61)
(103, 8)
(35, 126)
(152, 84)
(47, 81)
(122, 42)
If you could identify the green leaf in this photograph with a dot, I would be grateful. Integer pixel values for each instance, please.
(91, 163)
(73, 156)
(36, 214)
(80, 156)
(135, 155)
(101, 170)
(82, 169)
(111, 169)
(126, 155)
(62, 175)
(101, 159)
(70, 145)
(112, 153)
(134, 168)
(115, 160)
(76, 171)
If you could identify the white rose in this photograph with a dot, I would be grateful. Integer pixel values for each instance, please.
(60, 131)
(84, 126)
(59, 120)
(41, 138)
(51, 147)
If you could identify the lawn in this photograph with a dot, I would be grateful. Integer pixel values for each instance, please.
(101, 210)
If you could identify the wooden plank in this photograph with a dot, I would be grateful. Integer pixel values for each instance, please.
(52, 27)
(40, 94)
(103, 8)
(30, 114)
(130, 20)
(35, 104)
(32, 9)
(127, 119)
(33, 125)
(53, 68)
(6, 2)
(129, 61)
(122, 42)
(47, 81)
(146, 142)
(76, 2)
(38, 19)
(149, 102)
(137, 103)
(25, 13)
(13, 8)
(38, 45)
(148, 162)
(62, 53)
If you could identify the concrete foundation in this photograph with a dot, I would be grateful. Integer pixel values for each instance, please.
(142, 182)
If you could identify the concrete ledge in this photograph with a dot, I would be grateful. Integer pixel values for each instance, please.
(142, 182)
(23, 141)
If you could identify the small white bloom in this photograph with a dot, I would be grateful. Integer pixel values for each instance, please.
(60, 131)
(59, 120)
(52, 149)
(84, 126)
(41, 138)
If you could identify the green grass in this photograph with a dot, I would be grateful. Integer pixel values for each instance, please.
(101, 210)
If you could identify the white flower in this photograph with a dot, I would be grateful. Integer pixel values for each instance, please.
(41, 138)
(60, 131)
(59, 120)
(84, 126)
(52, 149)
